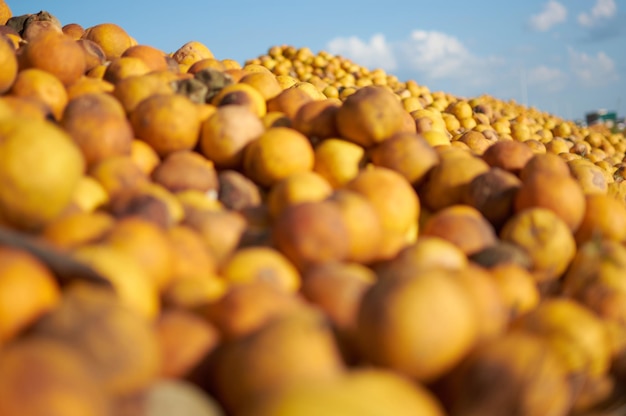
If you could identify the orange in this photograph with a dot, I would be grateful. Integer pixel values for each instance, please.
(361, 391)
(260, 263)
(97, 123)
(78, 228)
(288, 101)
(129, 361)
(371, 115)
(87, 85)
(28, 290)
(517, 288)
(278, 153)
(133, 285)
(167, 122)
(152, 57)
(407, 153)
(462, 225)
(241, 94)
(297, 188)
(338, 160)
(511, 156)
(190, 53)
(146, 243)
(225, 134)
(264, 82)
(30, 200)
(5, 12)
(186, 170)
(365, 231)
(8, 62)
(317, 119)
(605, 217)
(113, 39)
(42, 86)
(73, 30)
(144, 156)
(118, 173)
(184, 340)
(131, 90)
(124, 67)
(57, 54)
(39, 375)
(396, 203)
(311, 233)
(301, 333)
(421, 325)
(545, 237)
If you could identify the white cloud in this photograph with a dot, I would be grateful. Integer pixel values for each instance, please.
(602, 10)
(552, 79)
(436, 54)
(592, 71)
(553, 13)
(376, 53)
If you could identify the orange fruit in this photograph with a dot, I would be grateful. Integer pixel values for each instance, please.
(75, 229)
(301, 333)
(184, 340)
(310, 233)
(28, 290)
(408, 154)
(604, 218)
(93, 53)
(144, 156)
(97, 123)
(276, 154)
(317, 119)
(5, 12)
(131, 90)
(39, 375)
(516, 373)
(371, 115)
(57, 54)
(396, 328)
(241, 94)
(73, 30)
(264, 82)
(146, 243)
(517, 288)
(365, 231)
(129, 361)
(167, 122)
(545, 237)
(396, 203)
(371, 391)
(426, 252)
(206, 63)
(338, 160)
(225, 134)
(133, 285)
(511, 156)
(152, 57)
(8, 62)
(29, 200)
(186, 170)
(288, 101)
(112, 38)
(117, 174)
(191, 52)
(560, 193)
(297, 188)
(87, 85)
(463, 226)
(124, 67)
(42, 86)
(447, 182)
(260, 263)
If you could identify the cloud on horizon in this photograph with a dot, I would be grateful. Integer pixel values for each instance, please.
(602, 11)
(552, 14)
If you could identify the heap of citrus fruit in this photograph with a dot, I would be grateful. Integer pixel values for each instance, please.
(294, 235)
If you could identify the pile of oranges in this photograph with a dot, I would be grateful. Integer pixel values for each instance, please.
(295, 235)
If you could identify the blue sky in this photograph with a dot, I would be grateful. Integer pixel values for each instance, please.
(567, 57)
